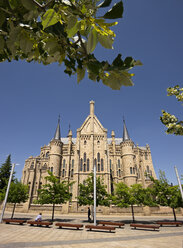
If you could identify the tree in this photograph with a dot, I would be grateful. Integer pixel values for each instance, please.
(166, 194)
(125, 196)
(86, 193)
(64, 31)
(18, 193)
(5, 171)
(174, 126)
(54, 192)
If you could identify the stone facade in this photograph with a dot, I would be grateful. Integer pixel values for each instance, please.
(72, 159)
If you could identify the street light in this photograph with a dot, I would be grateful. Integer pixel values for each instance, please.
(179, 182)
(7, 191)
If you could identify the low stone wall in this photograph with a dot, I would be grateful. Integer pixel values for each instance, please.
(66, 209)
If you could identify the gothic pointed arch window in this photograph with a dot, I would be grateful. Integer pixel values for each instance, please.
(72, 173)
(88, 164)
(81, 164)
(98, 157)
(98, 167)
(64, 163)
(119, 163)
(102, 164)
(110, 164)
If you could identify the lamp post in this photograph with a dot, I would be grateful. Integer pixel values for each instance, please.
(179, 182)
(7, 191)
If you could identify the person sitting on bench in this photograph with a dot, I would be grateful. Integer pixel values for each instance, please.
(39, 217)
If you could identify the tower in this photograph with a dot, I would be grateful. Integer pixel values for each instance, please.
(55, 151)
(129, 169)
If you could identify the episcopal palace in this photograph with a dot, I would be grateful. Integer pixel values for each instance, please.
(72, 159)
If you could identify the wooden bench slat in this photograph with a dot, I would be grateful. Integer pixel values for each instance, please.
(108, 228)
(176, 223)
(120, 224)
(60, 224)
(21, 222)
(40, 223)
(151, 226)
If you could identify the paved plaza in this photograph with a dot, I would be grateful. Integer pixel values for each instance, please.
(18, 236)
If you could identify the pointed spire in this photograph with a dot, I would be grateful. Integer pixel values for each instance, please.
(57, 132)
(125, 131)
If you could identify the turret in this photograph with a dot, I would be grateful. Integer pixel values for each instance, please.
(55, 151)
(129, 169)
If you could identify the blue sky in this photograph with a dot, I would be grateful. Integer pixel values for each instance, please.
(32, 95)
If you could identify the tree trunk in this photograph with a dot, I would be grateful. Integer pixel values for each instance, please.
(133, 218)
(175, 219)
(13, 211)
(53, 210)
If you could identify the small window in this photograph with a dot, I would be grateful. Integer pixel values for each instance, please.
(148, 169)
(102, 164)
(81, 165)
(84, 167)
(63, 173)
(88, 164)
(118, 163)
(51, 169)
(98, 157)
(131, 171)
(47, 154)
(84, 157)
(72, 173)
(98, 142)
(85, 142)
(98, 167)
(64, 163)
(119, 173)
(110, 162)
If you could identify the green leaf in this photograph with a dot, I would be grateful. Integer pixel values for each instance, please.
(25, 44)
(28, 4)
(118, 78)
(115, 12)
(105, 3)
(50, 18)
(80, 74)
(13, 4)
(92, 41)
(1, 43)
(72, 27)
(2, 18)
(106, 41)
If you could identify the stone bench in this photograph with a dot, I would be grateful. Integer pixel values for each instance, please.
(106, 228)
(40, 223)
(119, 224)
(60, 225)
(149, 226)
(8, 221)
(169, 223)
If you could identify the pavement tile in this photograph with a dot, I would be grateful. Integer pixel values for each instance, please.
(18, 236)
